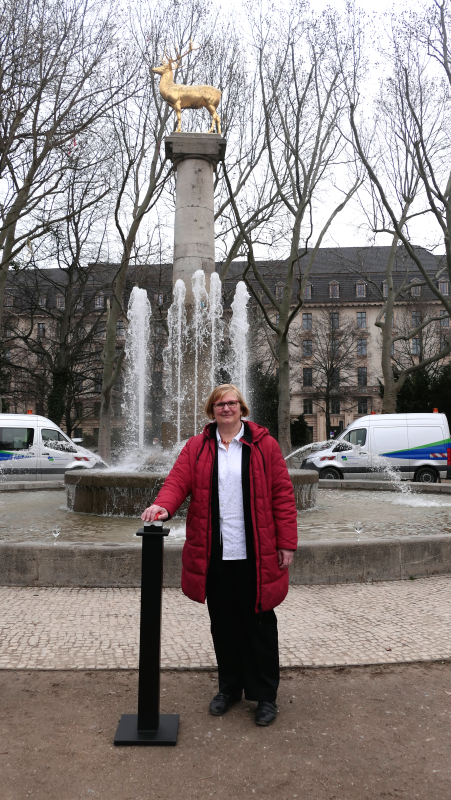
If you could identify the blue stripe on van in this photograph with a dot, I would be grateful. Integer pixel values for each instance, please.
(435, 451)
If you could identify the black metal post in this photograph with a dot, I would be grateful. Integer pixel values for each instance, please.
(148, 726)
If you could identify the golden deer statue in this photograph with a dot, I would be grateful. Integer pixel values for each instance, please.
(180, 96)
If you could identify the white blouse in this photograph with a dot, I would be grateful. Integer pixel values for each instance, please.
(231, 510)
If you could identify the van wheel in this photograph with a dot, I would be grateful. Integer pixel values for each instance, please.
(330, 474)
(426, 475)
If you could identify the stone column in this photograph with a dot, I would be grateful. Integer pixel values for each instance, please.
(195, 157)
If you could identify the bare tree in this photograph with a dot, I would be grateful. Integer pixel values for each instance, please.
(57, 80)
(406, 158)
(300, 85)
(55, 329)
(431, 332)
(329, 353)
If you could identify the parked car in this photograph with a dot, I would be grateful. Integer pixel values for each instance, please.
(33, 448)
(418, 446)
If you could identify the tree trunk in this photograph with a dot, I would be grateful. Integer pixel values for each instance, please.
(327, 409)
(284, 396)
(390, 385)
(104, 447)
(56, 402)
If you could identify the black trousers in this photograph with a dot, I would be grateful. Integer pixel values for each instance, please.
(246, 643)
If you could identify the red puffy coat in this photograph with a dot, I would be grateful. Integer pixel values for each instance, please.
(272, 504)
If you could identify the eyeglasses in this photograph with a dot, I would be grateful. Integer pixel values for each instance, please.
(232, 404)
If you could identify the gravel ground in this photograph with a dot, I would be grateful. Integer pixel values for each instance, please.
(346, 733)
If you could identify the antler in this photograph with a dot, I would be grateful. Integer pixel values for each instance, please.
(190, 49)
(178, 57)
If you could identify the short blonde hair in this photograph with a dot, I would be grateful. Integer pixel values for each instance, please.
(219, 392)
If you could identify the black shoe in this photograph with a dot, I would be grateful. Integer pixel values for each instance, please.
(265, 712)
(222, 703)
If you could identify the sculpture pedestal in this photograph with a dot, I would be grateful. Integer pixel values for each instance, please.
(195, 157)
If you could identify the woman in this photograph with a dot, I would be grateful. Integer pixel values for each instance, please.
(241, 532)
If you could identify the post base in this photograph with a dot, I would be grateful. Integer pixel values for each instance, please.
(127, 732)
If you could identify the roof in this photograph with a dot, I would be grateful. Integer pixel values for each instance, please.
(344, 265)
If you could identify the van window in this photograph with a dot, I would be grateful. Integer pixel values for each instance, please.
(55, 440)
(16, 438)
(390, 440)
(356, 436)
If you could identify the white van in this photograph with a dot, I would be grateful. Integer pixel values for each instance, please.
(417, 445)
(32, 448)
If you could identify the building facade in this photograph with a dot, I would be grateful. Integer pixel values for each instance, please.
(335, 346)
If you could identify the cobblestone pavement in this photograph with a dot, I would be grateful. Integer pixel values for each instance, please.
(389, 622)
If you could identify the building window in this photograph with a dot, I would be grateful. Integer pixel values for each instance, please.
(307, 376)
(60, 301)
(9, 301)
(334, 320)
(42, 301)
(97, 410)
(41, 330)
(416, 319)
(99, 301)
(308, 292)
(362, 405)
(415, 291)
(443, 341)
(361, 319)
(307, 348)
(78, 433)
(98, 382)
(360, 289)
(444, 322)
(384, 289)
(335, 405)
(416, 346)
(117, 407)
(308, 406)
(307, 322)
(334, 289)
(9, 333)
(392, 349)
(120, 327)
(362, 376)
(444, 287)
(335, 379)
(361, 347)
(279, 291)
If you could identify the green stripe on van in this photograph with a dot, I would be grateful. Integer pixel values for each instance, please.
(421, 446)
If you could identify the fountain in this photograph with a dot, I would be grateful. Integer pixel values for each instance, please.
(191, 364)
(239, 329)
(137, 374)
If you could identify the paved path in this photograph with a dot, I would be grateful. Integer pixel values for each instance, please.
(391, 622)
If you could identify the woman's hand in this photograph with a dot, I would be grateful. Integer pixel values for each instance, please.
(150, 514)
(285, 558)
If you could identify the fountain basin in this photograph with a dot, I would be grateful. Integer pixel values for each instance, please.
(129, 493)
(324, 561)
